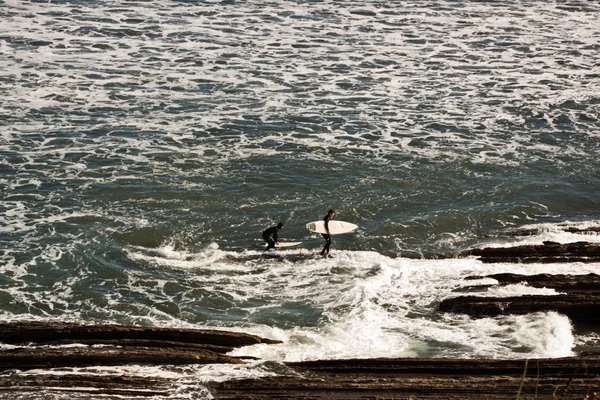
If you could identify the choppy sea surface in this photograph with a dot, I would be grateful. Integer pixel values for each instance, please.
(145, 145)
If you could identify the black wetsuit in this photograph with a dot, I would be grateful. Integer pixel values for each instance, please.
(327, 237)
(272, 231)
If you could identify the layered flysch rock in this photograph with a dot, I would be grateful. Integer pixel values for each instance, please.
(417, 378)
(581, 309)
(577, 296)
(45, 346)
(425, 379)
(548, 252)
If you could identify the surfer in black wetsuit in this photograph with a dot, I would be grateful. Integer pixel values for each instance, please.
(327, 236)
(270, 235)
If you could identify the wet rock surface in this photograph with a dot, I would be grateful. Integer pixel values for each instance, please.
(121, 345)
(83, 386)
(416, 378)
(588, 283)
(58, 348)
(46, 333)
(577, 296)
(406, 378)
(581, 309)
(547, 252)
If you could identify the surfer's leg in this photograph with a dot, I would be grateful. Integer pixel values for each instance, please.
(327, 244)
(270, 243)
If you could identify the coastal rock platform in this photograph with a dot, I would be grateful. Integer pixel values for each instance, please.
(425, 379)
(37, 346)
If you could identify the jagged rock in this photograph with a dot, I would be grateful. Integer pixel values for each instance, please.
(548, 252)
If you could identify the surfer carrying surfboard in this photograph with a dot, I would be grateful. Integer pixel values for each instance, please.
(327, 236)
(270, 236)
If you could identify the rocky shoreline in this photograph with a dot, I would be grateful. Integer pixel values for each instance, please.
(405, 378)
(46, 347)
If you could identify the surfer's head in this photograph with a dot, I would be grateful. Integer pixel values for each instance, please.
(331, 211)
(280, 225)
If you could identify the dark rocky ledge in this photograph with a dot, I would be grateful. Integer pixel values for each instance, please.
(589, 283)
(548, 252)
(123, 345)
(41, 346)
(424, 379)
(65, 333)
(581, 309)
(416, 378)
(578, 296)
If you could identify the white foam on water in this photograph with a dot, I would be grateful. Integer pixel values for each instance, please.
(565, 232)
(259, 70)
(373, 306)
(167, 255)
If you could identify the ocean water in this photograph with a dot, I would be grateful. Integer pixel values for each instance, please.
(145, 145)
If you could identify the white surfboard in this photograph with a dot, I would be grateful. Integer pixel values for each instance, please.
(335, 227)
(287, 244)
(283, 244)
